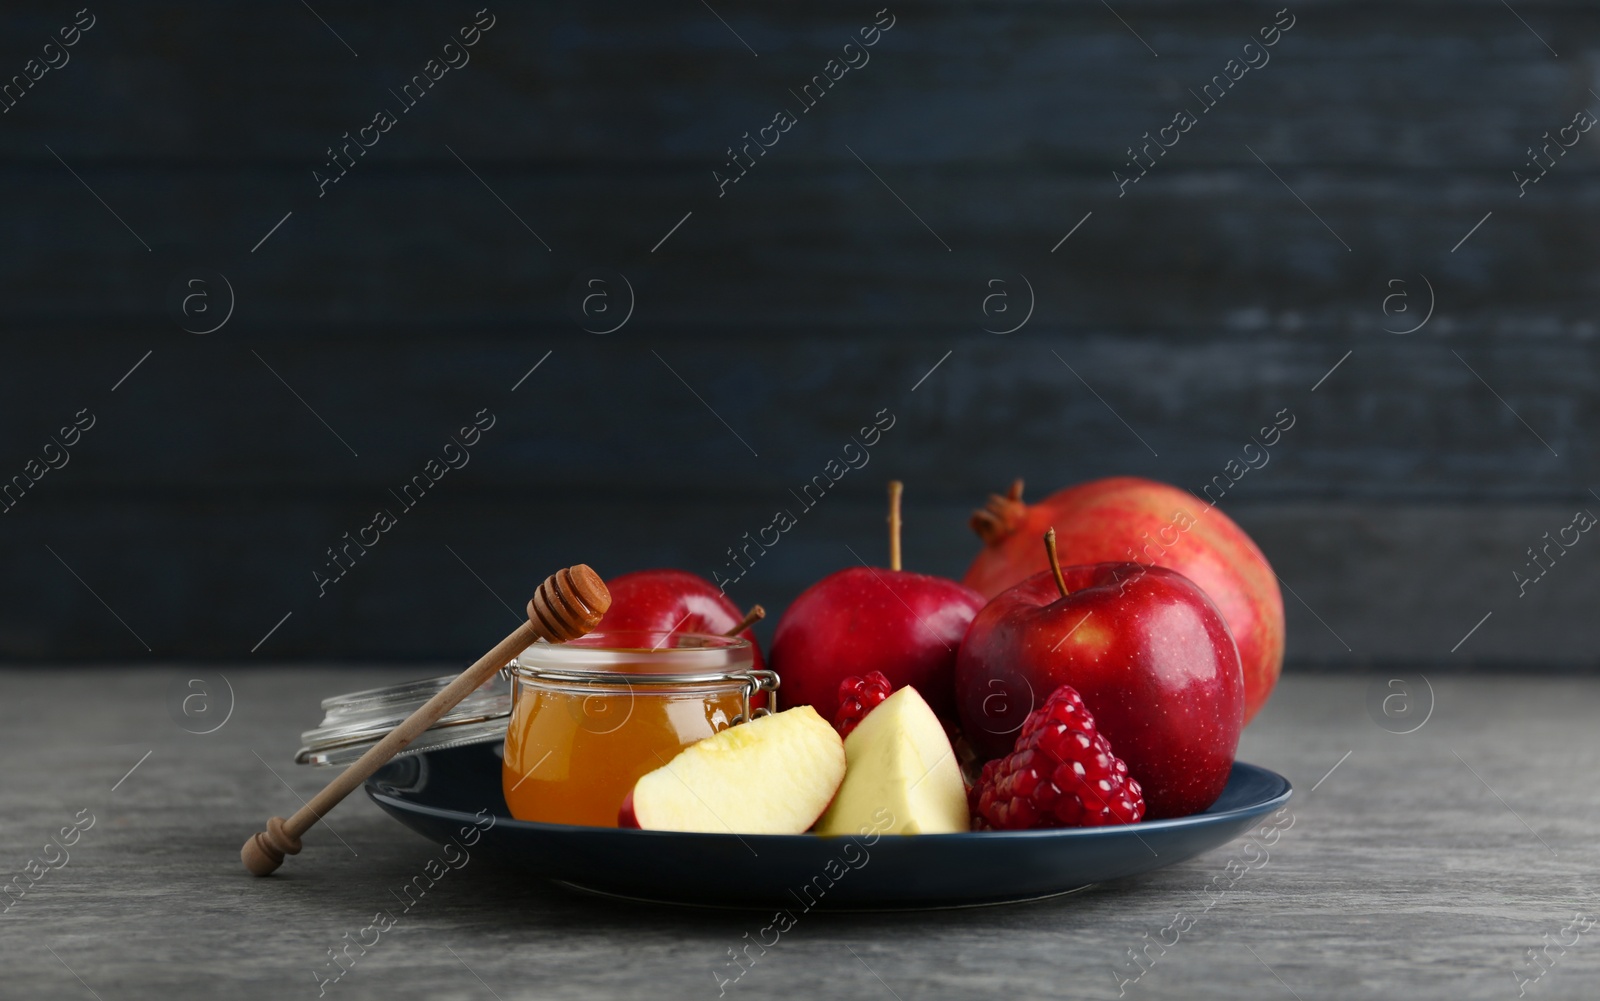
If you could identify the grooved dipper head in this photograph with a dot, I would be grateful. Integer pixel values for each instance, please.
(569, 603)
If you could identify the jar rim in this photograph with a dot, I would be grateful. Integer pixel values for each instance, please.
(756, 681)
(640, 653)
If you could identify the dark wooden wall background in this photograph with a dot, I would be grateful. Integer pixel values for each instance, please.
(410, 297)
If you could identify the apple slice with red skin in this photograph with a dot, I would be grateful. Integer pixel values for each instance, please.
(862, 619)
(773, 775)
(1147, 650)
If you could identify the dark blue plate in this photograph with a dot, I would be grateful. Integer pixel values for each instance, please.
(441, 794)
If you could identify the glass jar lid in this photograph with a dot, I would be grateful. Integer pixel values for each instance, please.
(355, 721)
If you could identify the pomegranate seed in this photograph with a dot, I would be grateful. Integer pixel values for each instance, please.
(859, 696)
(1061, 773)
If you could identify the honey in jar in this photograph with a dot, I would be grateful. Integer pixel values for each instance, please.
(590, 716)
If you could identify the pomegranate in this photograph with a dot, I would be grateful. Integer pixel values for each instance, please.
(1125, 518)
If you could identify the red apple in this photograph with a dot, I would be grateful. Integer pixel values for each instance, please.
(675, 601)
(1147, 650)
(862, 619)
(1127, 518)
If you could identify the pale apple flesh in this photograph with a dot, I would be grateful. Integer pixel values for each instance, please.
(900, 762)
(773, 775)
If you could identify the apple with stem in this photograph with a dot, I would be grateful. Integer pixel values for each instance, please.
(676, 601)
(862, 619)
(1128, 518)
(1146, 649)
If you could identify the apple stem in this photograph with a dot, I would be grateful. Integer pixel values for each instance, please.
(756, 614)
(895, 487)
(1055, 561)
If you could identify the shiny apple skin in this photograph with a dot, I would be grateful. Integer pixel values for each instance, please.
(677, 601)
(907, 625)
(1142, 521)
(1154, 662)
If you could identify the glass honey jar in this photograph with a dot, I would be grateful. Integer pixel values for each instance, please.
(592, 715)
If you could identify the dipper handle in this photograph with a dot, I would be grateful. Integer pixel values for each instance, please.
(567, 605)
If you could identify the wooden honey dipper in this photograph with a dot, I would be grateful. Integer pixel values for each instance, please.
(567, 605)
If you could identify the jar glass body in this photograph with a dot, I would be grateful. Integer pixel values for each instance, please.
(591, 716)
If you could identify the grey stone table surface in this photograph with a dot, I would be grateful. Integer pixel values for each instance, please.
(1419, 865)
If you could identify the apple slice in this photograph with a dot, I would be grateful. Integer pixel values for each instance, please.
(900, 764)
(773, 775)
